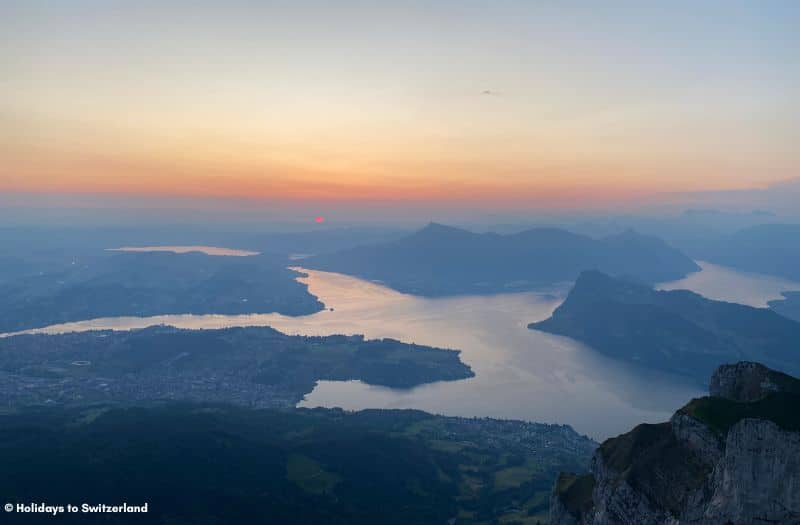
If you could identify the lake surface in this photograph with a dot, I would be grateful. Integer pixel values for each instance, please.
(520, 373)
(725, 284)
(208, 250)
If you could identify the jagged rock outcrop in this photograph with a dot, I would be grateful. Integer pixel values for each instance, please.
(747, 381)
(730, 458)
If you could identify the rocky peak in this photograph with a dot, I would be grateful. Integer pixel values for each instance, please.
(747, 382)
(732, 457)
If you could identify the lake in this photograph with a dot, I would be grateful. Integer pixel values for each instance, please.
(208, 250)
(520, 373)
(725, 284)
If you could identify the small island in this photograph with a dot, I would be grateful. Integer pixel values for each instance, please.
(255, 366)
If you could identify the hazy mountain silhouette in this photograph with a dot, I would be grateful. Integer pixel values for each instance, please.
(767, 248)
(677, 331)
(788, 306)
(443, 260)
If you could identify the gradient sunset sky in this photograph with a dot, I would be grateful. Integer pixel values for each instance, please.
(505, 104)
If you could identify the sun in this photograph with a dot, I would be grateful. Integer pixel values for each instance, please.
(319, 219)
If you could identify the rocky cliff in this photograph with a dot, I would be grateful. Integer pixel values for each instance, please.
(730, 458)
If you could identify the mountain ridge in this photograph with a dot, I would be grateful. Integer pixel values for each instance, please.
(675, 331)
(772, 249)
(440, 260)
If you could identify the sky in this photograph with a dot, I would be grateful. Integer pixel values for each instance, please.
(464, 105)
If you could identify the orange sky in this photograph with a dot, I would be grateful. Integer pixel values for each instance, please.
(465, 103)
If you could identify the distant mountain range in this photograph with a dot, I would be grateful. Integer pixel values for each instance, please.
(442, 260)
(772, 249)
(675, 331)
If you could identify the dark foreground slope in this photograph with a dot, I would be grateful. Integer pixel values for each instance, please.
(675, 331)
(731, 457)
(441, 260)
(218, 464)
(146, 284)
(250, 366)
